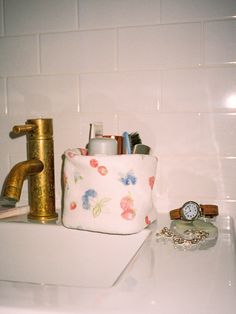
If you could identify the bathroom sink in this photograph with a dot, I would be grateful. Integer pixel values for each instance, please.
(53, 254)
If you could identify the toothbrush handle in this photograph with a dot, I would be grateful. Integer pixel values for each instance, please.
(126, 143)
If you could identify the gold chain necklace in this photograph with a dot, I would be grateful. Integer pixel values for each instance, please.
(190, 239)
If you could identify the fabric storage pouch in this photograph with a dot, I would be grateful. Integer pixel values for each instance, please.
(110, 194)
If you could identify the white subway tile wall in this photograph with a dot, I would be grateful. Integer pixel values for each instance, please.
(30, 17)
(121, 92)
(164, 68)
(19, 55)
(75, 52)
(113, 13)
(209, 89)
(42, 95)
(153, 47)
(191, 10)
(220, 42)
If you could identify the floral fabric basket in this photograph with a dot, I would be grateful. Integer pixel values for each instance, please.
(111, 194)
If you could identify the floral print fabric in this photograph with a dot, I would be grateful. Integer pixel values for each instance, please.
(111, 194)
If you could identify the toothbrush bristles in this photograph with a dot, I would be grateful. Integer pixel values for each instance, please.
(134, 139)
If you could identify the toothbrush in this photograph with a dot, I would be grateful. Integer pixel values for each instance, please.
(135, 139)
(126, 143)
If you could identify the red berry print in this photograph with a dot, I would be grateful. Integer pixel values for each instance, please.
(73, 205)
(151, 182)
(93, 163)
(102, 170)
(147, 220)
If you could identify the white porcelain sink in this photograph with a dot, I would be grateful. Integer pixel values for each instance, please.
(53, 254)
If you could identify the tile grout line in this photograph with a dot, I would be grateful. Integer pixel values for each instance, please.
(39, 52)
(3, 6)
(6, 109)
(77, 15)
(203, 45)
(116, 51)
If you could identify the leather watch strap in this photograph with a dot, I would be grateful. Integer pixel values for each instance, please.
(209, 210)
(175, 214)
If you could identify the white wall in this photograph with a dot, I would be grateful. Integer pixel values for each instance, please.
(164, 68)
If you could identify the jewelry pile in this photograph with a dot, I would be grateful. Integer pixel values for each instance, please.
(190, 239)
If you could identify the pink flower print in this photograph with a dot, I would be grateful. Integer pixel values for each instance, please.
(93, 163)
(147, 220)
(128, 214)
(71, 154)
(102, 170)
(83, 151)
(127, 204)
(73, 205)
(151, 181)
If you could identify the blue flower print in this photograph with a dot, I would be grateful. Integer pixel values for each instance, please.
(129, 179)
(88, 195)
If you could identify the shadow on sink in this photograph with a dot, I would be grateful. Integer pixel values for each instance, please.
(53, 254)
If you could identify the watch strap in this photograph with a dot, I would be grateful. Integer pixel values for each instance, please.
(209, 210)
(175, 213)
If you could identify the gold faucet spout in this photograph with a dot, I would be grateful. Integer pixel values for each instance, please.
(17, 175)
(39, 168)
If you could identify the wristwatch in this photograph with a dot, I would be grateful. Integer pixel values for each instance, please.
(192, 210)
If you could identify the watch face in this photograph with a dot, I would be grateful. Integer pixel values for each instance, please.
(190, 211)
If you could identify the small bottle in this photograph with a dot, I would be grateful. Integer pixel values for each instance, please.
(102, 146)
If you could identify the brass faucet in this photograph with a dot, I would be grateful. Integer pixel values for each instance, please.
(39, 168)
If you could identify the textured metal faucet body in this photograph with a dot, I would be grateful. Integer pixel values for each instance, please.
(39, 168)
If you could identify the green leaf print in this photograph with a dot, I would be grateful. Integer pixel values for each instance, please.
(99, 205)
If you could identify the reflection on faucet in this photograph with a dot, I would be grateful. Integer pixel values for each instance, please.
(39, 168)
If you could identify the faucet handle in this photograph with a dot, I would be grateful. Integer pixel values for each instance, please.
(26, 128)
(35, 129)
